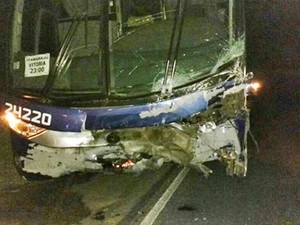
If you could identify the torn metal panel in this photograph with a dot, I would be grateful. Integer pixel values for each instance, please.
(184, 143)
(157, 113)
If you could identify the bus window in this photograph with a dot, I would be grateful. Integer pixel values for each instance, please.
(38, 36)
(47, 27)
(123, 48)
(140, 54)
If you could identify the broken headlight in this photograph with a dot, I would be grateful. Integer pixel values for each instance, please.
(253, 87)
(26, 129)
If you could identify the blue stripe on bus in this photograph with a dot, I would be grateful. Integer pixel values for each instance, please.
(154, 114)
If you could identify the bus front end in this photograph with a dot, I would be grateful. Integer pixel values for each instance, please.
(128, 85)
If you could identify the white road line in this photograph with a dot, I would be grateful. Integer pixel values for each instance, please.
(159, 206)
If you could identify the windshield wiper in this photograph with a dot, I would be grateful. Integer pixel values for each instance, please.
(174, 48)
(62, 58)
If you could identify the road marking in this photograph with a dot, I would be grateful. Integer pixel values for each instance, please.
(159, 206)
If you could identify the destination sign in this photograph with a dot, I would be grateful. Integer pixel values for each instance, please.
(37, 65)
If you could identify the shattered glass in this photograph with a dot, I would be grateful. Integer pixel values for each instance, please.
(137, 42)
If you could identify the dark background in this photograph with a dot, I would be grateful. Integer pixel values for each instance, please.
(273, 53)
(273, 31)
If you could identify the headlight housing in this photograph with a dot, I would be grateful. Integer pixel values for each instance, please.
(26, 129)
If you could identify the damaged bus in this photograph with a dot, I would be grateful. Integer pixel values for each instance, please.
(126, 84)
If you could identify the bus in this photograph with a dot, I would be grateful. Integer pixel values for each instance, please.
(125, 85)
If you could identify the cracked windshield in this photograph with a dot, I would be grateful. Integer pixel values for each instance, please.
(122, 47)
